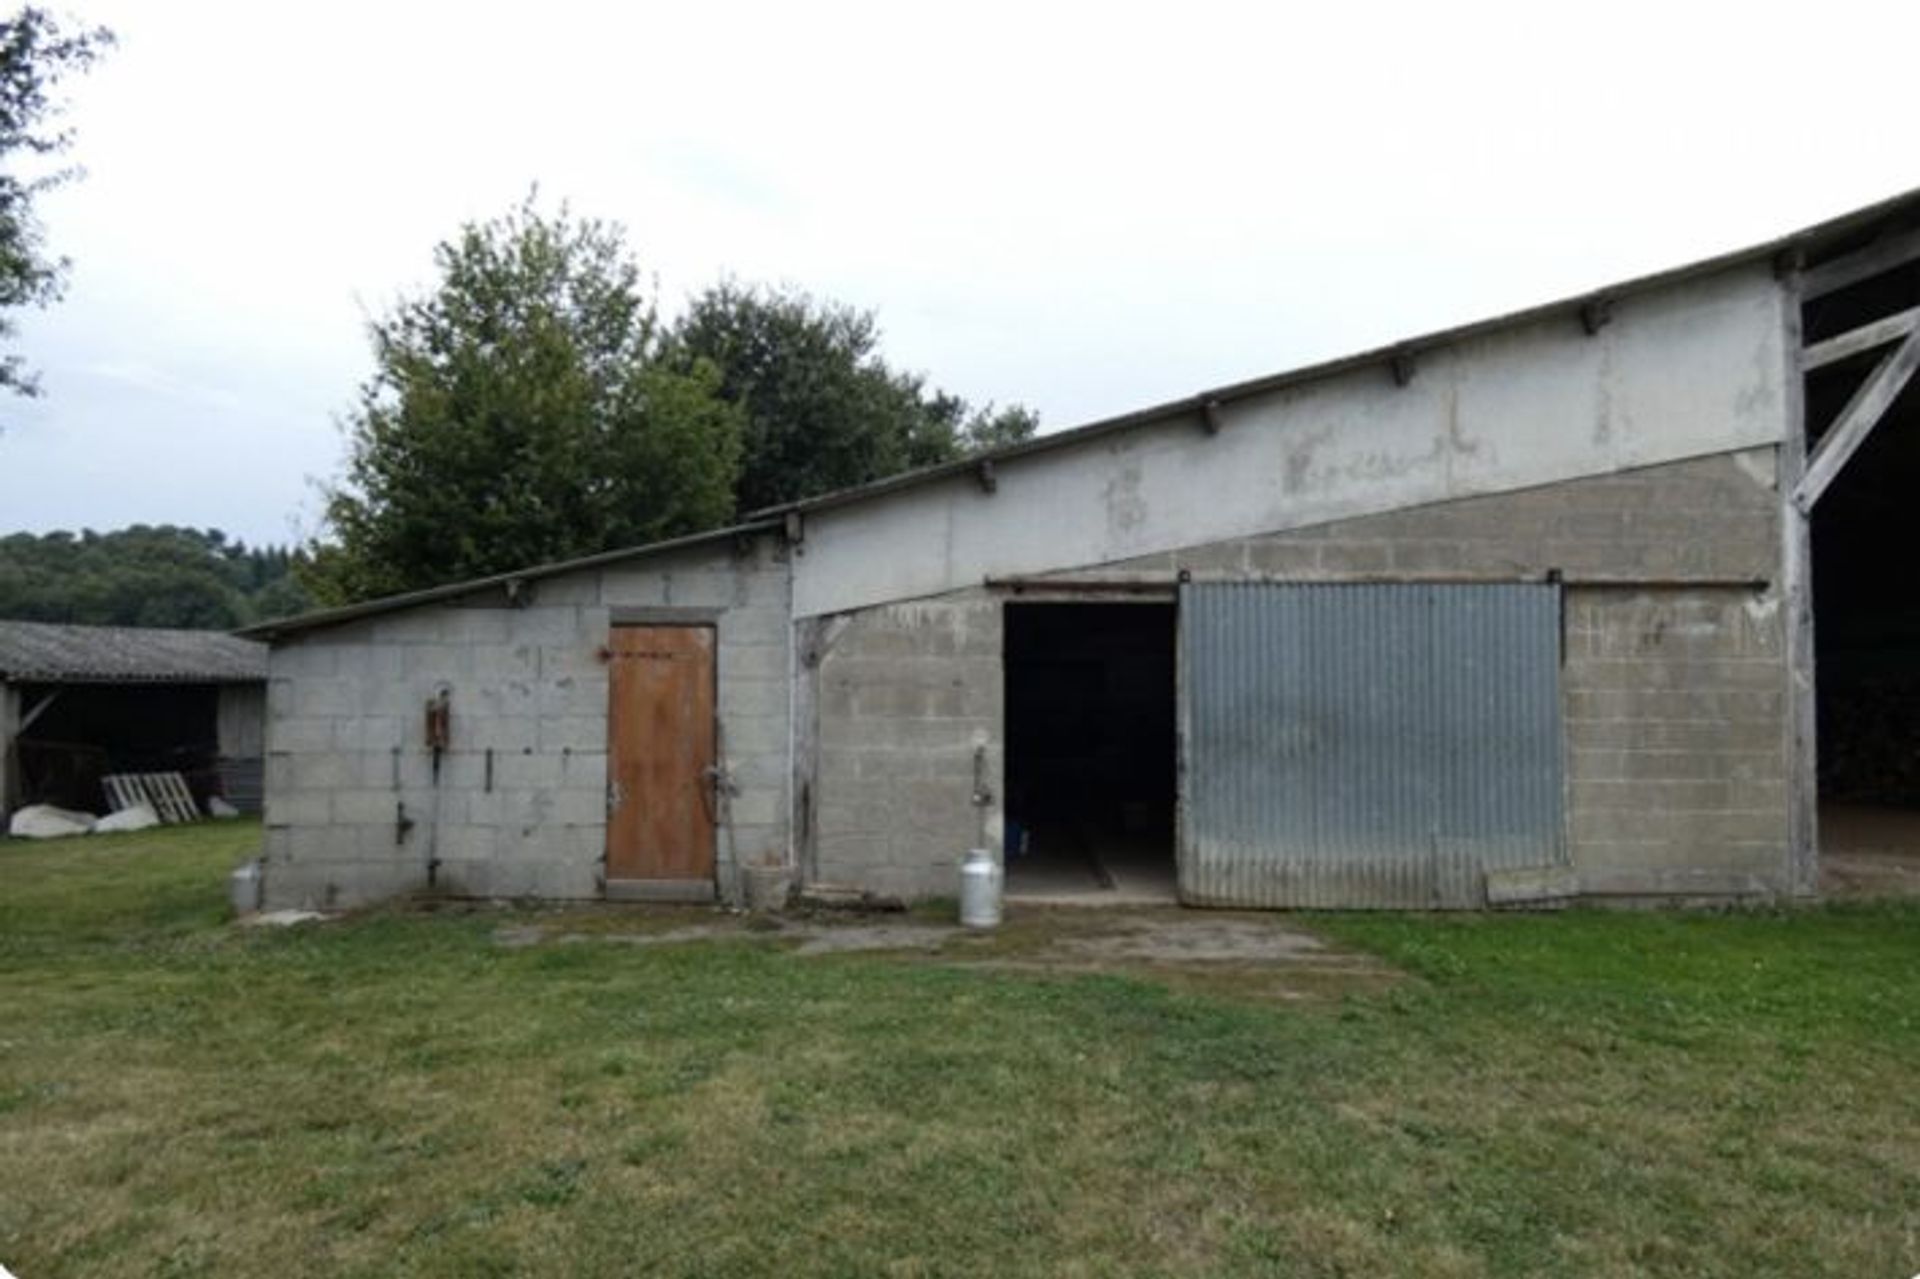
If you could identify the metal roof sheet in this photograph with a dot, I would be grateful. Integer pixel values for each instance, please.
(52, 653)
(273, 630)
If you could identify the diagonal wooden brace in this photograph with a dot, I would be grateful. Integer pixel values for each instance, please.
(1857, 420)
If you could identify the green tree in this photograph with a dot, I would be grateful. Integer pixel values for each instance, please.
(280, 597)
(823, 409)
(145, 576)
(523, 412)
(990, 428)
(36, 52)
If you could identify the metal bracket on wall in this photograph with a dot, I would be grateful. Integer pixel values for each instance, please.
(982, 793)
(1558, 580)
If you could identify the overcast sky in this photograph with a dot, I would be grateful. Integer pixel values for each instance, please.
(1086, 208)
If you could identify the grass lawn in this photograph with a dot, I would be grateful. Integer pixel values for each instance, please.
(402, 1094)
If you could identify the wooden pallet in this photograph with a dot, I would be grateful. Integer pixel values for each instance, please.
(166, 792)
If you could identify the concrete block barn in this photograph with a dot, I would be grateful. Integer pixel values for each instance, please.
(1567, 604)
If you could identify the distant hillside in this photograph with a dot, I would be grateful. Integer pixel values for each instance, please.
(145, 576)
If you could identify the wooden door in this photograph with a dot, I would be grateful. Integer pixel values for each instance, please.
(659, 752)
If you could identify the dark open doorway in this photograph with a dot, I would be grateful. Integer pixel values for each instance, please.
(82, 732)
(1866, 590)
(1090, 750)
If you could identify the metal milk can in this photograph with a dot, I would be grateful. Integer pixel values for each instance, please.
(980, 878)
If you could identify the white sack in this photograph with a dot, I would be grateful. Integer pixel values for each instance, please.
(44, 821)
(139, 817)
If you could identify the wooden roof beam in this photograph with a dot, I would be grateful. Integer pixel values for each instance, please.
(1878, 258)
(1818, 355)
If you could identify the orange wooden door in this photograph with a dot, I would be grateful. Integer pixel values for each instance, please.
(659, 750)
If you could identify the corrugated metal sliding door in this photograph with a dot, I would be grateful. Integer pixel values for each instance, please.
(1347, 745)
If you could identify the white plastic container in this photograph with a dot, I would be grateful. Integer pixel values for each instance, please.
(243, 887)
(980, 879)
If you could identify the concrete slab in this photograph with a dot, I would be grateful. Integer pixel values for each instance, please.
(281, 918)
(1869, 851)
(1111, 874)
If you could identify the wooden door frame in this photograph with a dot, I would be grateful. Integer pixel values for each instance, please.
(662, 890)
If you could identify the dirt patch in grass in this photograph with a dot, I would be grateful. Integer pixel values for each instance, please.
(1196, 939)
(850, 938)
(1262, 956)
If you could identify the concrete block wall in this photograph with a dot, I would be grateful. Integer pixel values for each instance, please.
(905, 694)
(1675, 706)
(1673, 682)
(1712, 517)
(346, 724)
